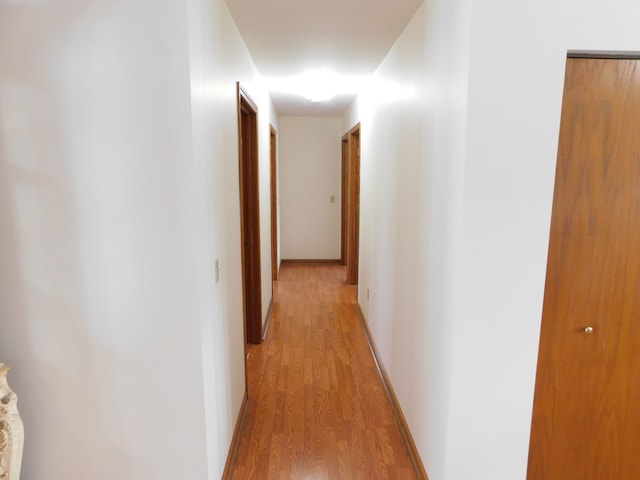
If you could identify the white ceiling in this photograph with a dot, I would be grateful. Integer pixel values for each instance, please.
(347, 37)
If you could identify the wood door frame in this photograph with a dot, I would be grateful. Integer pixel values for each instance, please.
(344, 193)
(249, 215)
(353, 204)
(274, 202)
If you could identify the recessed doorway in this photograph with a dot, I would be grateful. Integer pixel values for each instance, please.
(250, 216)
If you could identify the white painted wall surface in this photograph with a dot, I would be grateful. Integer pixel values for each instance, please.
(267, 115)
(457, 282)
(98, 292)
(219, 59)
(413, 144)
(118, 190)
(310, 173)
(515, 92)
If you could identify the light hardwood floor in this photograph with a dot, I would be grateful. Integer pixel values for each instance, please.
(317, 407)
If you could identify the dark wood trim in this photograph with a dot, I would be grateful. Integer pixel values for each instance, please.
(602, 55)
(246, 97)
(248, 152)
(353, 205)
(311, 260)
(344, 193)
(416, 461)
(235, 440)
(267, 322)
(274, 202)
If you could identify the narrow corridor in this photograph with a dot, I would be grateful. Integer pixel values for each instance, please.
(317, 406)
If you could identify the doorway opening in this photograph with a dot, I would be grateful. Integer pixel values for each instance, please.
(249, 216)
(343, 208)
(351, 202)
(274, 204)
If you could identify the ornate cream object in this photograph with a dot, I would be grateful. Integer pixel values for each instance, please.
(11, 430)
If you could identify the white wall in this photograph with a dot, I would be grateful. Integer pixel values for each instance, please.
(98, 296)
(413, 142)
(515, 92)
(310, 173)
(267, 115)
(456, 209)
(118, 189)
(219, 59)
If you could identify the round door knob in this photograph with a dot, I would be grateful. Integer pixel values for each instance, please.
(588, 329)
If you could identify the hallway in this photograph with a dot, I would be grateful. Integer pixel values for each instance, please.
(317, 406)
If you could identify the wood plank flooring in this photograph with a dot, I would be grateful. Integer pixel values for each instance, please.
(317, 407)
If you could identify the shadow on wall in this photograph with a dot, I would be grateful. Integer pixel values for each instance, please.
(44, 332)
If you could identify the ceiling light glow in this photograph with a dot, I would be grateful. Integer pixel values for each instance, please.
(317, 85)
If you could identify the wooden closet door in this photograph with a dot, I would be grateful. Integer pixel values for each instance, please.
(586, 415)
